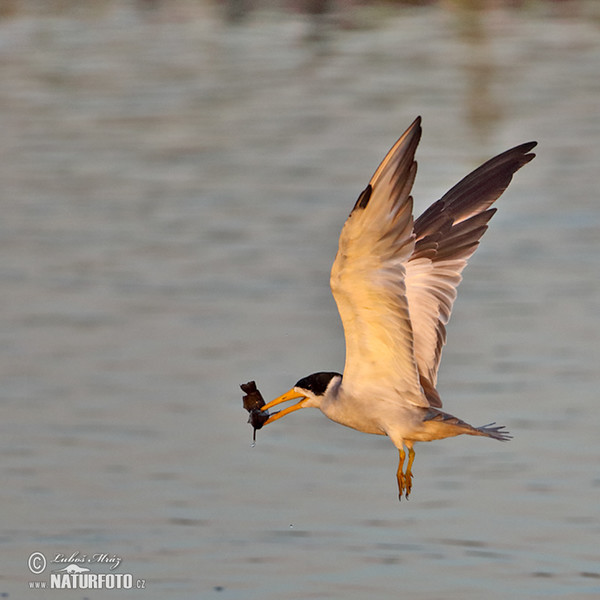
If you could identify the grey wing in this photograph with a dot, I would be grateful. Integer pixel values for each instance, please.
(446, 235)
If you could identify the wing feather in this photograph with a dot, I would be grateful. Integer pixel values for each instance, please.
(395, 280)
(367, 279)
(446, 235)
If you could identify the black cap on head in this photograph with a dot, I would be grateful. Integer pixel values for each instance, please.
(317, 382)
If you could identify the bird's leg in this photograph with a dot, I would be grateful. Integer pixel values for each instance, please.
(400, 474)
(408, 475)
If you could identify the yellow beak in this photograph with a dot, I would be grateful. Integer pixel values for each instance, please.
(290, 395)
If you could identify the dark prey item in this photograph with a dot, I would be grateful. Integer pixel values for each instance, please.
(253, 402)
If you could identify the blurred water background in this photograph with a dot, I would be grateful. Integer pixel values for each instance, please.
(174, 176)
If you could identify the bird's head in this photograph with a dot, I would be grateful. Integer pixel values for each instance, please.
(311, 391)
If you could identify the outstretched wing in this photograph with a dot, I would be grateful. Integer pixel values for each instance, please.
(446, 235)
(368, 279)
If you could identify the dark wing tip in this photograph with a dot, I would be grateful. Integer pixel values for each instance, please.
(403, 151)
(527, 146)
(525, 150)
(477, 191)
(363, 199)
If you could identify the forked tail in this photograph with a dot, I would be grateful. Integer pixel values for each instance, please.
(498, 432)
(449, 425)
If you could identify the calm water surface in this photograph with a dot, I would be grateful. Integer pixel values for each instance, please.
(172, 192)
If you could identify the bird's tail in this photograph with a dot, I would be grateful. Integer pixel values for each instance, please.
(455, 426)
(498, 432)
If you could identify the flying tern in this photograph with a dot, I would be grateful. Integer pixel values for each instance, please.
(394, 280)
